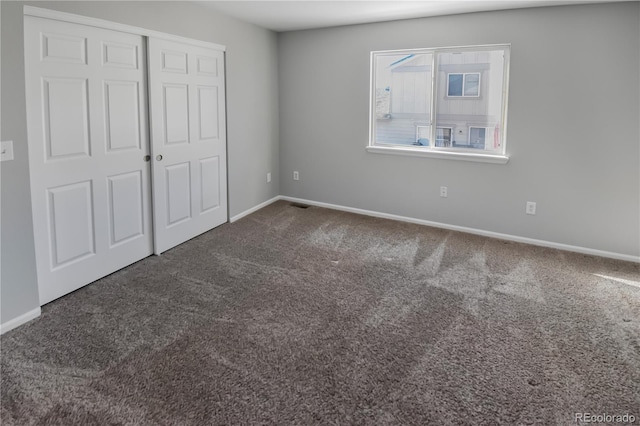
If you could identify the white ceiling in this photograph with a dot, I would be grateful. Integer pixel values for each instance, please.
(305, 14)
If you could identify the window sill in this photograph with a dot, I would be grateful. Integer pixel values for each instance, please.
(448, 155)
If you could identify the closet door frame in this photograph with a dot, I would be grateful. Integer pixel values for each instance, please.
(147, 35)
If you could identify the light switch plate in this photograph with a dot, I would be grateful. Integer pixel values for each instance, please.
(7, 151)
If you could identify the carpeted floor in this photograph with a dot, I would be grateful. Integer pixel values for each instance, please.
(312, 316)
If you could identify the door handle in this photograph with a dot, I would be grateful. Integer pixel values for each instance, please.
(147, 158)
(159, 157)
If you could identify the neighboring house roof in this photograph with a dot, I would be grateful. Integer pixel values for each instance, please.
(401, 60)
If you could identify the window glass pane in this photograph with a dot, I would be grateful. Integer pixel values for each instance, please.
(471, 84)
(475, 120)
(477, 137)
(455, 84)
(402, 98)
(443, 136)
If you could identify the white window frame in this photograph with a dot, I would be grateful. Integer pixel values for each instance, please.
(464, 84)
(432, 151)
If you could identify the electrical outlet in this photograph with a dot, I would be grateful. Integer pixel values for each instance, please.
(444, 193)
(7, 151)
(269, 177)
(531, 207)
(296, 175)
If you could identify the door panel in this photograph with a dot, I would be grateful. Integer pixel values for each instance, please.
(120, 55)
(207, 66)
(210, 183)
(122, 121)
(90, 186)
(174, 61)
(126, 212)
(178, 184)
(208, 112)
(188, 140)
(176, 113)
(64, 48)
(66, 117)
(71, 222)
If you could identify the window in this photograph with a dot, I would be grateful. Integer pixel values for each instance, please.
(466, 85)
(440, 102)
(443, 136)
(423, 133)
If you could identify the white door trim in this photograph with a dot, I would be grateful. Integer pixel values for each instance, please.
(109, 25)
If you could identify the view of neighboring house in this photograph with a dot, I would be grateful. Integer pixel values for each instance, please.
(468, 99)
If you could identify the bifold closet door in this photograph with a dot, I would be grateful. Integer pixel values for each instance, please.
(187, 95)
(87, 127)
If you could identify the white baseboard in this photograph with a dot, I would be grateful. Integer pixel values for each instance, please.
(254, 209)
(18, 321)
(35, 313)
(532, 241)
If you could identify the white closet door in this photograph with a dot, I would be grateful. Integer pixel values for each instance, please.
(188, 137)
(86, 109)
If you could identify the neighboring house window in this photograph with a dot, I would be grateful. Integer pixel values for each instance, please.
(440, 102)
(477, 137)
(463, 85)
(423, 133)
(443, 136)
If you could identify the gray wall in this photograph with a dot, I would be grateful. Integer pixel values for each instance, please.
(573, 133)
(252, 116)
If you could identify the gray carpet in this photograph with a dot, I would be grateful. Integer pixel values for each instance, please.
(312, 316)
